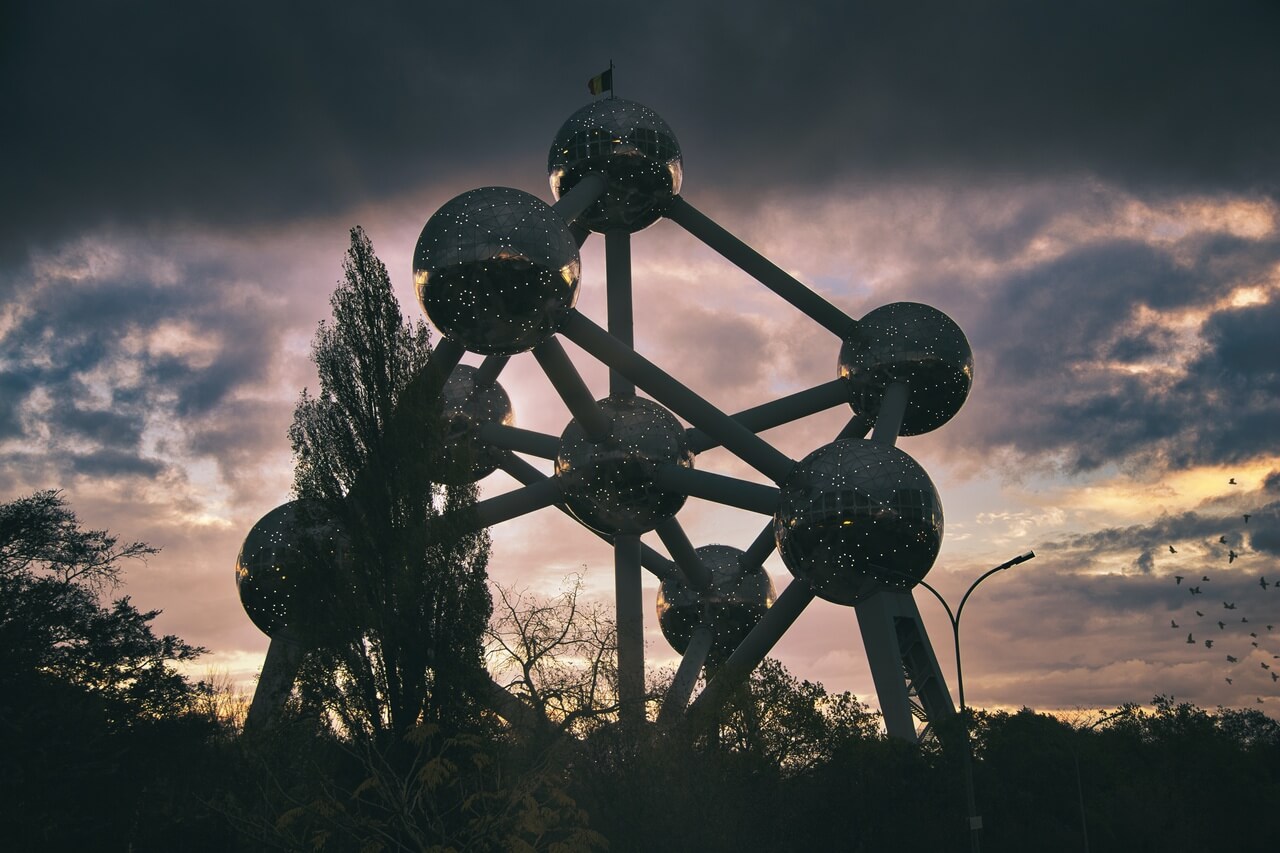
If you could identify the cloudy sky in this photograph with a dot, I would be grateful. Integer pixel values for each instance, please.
(1091, 190)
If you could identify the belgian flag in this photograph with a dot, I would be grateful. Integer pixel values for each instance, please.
(602, 82)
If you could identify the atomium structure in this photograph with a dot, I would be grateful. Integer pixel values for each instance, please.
(857, 521)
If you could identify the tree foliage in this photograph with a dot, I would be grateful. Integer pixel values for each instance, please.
(96, 721)
(397, 634)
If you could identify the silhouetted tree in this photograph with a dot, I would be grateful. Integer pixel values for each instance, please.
(98, 730)
(558, 655)
(398, 636)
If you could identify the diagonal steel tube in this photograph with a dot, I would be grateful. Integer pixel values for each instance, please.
(742, 494)
(782, 411)
(569, 385)
(661, 567)
(758, 266)
(736, 438)
(520, 440)
(684, 554)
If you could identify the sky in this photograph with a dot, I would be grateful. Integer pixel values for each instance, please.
(1090, 190)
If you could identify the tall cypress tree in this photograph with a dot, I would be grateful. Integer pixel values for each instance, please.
(396, 628)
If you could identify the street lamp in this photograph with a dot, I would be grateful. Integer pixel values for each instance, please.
(975, 820)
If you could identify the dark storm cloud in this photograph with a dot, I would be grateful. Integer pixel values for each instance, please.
(89, 367)
(252, 112)
(1067, 372)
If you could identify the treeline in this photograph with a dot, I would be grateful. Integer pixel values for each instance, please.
(104, 746)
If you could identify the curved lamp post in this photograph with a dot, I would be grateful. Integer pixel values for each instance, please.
(975, 820)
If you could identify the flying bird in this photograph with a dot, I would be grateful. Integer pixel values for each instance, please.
(1244, 618)
(1222, 539)
(1190, 640)
(1263, 664)
(1231, 556)
(1255, 645)
(1228, 605)
(1246, 518)
(1198, 613)
(1228, 680)
(1177, 579)
(1195, 590)
(1173, 624)
(1172, 550)
(1269, 627)
(1275, 677)
(1263, 583)
(1232, 482)
(1222, 625)
(1208, 644)
(1252, 634)
(1259, 700)
(1205, 578)
(1231, 659)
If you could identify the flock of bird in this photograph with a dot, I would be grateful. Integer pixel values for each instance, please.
(1226, 630)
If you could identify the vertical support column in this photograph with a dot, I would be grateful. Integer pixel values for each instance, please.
(626, 569)
(881, 616)
(876, 617)
(279, 669)
(626, 548)
(617, 264)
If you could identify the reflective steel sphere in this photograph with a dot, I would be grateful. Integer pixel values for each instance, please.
(466, 409)
(497, 270)
(912, 343)
(283, 549)
(636, 152)
(609, 485)
(855, 517)
(738, 597)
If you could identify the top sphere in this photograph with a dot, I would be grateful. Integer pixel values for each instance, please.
(497, 270)
(286, 546)
(911, 343)
(632, 148)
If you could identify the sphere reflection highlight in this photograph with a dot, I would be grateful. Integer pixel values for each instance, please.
(912, 343)
(283, 550)
(497, 270)
(608, 484)
(739, 595)
(466, 408)
(856, 517)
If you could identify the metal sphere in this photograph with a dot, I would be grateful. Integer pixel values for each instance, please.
(467, 408)
(632, 148)
(280, 552)
(608, 484)
(739, 595)
(912, 343)
(497, 270)
(855, 517)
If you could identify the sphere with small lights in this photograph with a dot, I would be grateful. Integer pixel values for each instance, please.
(855, 517)
(912, 343)
(467, 407)
(608, 481)
(497, 270)
(279, 559)
(738, 596)
(632, 148)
